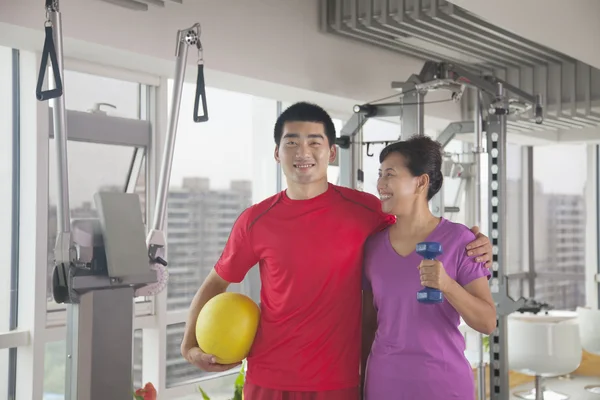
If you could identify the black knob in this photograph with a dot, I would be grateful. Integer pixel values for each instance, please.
(160, 261)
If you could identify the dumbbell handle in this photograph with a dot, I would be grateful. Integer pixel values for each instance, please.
(429, 251)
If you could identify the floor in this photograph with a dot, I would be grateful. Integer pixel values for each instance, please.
(572, 387)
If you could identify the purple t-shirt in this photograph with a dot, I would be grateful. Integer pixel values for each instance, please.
(418, 352)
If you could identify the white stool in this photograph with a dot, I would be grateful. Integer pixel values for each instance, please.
(544, 345)
(589, 327)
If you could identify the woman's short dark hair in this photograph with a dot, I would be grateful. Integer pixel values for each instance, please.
(423, 155)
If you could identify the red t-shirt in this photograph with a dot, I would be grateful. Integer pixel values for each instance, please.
(310, 256)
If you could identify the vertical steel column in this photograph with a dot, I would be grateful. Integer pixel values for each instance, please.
(63, 219)
(412, 114)
(530, 198)
(476, 204)
(496, 139)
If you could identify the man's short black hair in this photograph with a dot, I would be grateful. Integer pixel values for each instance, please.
(305, 112)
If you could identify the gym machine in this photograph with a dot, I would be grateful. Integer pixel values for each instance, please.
(494, 100)
(102, 264)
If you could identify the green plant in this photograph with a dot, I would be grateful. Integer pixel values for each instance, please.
(486, 342)
(238, 385)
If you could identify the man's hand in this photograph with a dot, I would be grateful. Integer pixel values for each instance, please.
(206, 362)
(481, 247)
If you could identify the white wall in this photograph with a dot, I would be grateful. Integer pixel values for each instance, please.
(570, 27)
(273, 42)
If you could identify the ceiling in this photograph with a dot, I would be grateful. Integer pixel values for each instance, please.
(438, 30)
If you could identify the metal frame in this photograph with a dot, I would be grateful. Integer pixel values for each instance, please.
(88, 294)
(493, 94)
(15, 228)
(89, 127)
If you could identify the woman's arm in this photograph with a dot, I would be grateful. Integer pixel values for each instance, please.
(369, 327)
(474, 303)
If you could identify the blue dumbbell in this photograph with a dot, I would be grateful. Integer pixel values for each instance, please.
(429, 251)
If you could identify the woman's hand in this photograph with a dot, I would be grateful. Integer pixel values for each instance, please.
(433, 275)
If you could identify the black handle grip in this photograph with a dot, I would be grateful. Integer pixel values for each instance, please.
(49, 50)
(200, 93)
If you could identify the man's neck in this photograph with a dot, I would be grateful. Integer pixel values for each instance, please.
(297, 191)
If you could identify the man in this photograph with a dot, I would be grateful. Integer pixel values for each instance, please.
(308, 241)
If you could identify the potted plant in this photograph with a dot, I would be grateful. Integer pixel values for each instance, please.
(238, 391)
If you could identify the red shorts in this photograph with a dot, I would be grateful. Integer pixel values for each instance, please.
(253, 392)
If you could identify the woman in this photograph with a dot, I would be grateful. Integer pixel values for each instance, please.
(415, 350)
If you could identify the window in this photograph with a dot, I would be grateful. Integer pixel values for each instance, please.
(559, 222)
(220, 168)
(55, 357)
(4, 370)
(98, 161)
(6, 169)
(93, 167)
(515, 218)
(116, 97)
(7, 286)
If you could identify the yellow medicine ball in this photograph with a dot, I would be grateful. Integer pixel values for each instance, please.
(226, 327)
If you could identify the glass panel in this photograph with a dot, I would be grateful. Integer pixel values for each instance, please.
(92, 167)
(6, 132)
(180, 371)
(4, 371)
(560, 175)
(514, 210)
(138, 343)
(561, 293)
(211, 184)
(55, 367)
(54, 370)
(85, 91)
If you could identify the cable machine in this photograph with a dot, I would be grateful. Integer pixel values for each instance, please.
(102, 264)
(495, 101)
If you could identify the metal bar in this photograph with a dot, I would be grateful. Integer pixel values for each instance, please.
(95, 128)
(412, 114)
(454, 129)
(63, 212)
(476, 179)
(103, 374)
(530, 222)
(357, 162)
(496, 139)
(15, 213)
(167, 158)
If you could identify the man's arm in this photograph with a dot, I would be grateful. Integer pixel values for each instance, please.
(211, 287)
(236, 260)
